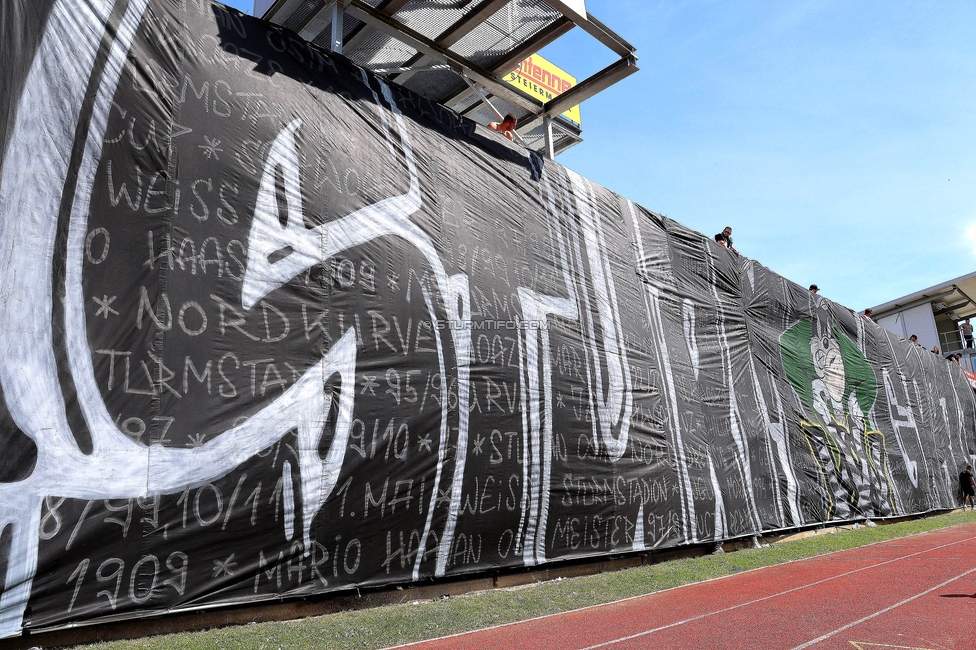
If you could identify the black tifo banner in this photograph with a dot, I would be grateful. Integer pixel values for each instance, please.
(271, 326)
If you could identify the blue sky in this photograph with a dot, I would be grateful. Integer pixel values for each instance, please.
(838, 139)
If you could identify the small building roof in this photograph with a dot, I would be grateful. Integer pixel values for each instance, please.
(950, 297)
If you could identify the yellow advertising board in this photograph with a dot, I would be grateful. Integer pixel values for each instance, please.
(543, 80)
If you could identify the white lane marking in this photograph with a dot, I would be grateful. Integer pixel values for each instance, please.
(781, 593)
(883, 611)
(685, 586)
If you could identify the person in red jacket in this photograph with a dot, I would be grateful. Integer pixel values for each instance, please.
(967, 485)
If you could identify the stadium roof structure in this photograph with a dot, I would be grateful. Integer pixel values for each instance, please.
(457, 53)
(953, 298)
(934, 314)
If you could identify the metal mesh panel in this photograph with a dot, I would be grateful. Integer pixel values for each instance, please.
(483, 115)
(466, 102)
(381, 51)
(298, 16)
(432, 17)
(349, 25)
(505, 30)
(536, 139)
(324, 38)
(503, 107)
(496, 38)
(435, 84)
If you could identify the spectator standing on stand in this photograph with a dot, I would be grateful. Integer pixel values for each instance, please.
(967, 331)
(725, 238)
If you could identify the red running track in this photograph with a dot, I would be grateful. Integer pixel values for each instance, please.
(911, 593)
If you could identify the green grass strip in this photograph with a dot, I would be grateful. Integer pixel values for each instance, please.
(391, 625)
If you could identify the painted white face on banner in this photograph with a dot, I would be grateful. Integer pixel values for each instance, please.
(829, 365)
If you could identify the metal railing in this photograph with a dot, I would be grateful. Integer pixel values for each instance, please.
(952, 341)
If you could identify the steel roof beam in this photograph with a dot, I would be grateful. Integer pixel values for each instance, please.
(592, 85)
(951, 308)
(538, 41)
(317, 13)
(566, 142)
(422, 68)
(471, 20)
(964, 295)
(419, 42)
(363, 32)
(455, 33)
(282, 7)
(595, 28)
(881, 313)
(505, 65)
(585, 89)
(381, 18)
